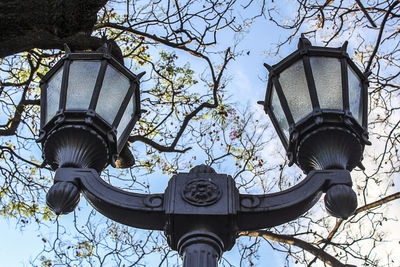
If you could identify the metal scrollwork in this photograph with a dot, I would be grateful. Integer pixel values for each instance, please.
(153, 201)
(250, 202)
(201, 192)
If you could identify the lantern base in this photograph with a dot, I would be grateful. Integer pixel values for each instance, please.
(329, 148)
(75, 146)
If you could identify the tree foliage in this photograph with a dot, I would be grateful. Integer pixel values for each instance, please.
(189, 119)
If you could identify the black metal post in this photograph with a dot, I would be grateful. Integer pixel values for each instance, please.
(200, 248)
(201, 208)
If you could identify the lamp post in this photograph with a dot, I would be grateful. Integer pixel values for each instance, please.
(316, 98)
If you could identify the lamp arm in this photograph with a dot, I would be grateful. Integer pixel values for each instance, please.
(268, 210)
(143, 211)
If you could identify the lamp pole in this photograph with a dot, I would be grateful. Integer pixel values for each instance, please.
(202, 211)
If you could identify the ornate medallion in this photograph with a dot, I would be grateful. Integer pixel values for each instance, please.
(201, 192)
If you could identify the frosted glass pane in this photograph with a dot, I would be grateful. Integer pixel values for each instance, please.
(328, 81)
(126, 118)
(112, 94)
(294, 86)
(53, 94)
(279, 114)
(81, 82)
(355, 95)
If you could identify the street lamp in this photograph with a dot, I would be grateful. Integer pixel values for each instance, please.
(316, 99)
(89, 105)
(89, 100)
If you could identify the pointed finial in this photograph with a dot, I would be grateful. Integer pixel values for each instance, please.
(44, 163)
(344, 46)
(269, 67)
(67, 49)
(140, 75)
(303, 42)
(261, 102)
(107, 48)
(361, 166)
(368, 73)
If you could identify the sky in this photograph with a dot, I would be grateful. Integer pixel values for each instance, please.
(247, 86)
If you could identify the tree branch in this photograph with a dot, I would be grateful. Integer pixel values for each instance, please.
(318, 252)
(190, 116)
(366, 13)
(378, 41)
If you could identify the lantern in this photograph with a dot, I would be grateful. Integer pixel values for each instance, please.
(89, 105)
(317, 101)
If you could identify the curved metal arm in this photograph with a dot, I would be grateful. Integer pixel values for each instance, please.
(203, 210)
(143, 211)
(262, 211)
(147, 211)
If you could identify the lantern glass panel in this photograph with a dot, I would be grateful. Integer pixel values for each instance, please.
(53, 94)
(126, 118)
(294, 85)
(355, 87)
(81, 82)
(277, 110)
(328, 81)
(112, 94)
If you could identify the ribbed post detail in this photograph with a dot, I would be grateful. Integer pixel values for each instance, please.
(200, 249)
(200, 255)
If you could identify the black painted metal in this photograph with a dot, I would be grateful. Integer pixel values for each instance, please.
(201, 199)
(345, 79)
(63, 197)
(89, 118)
(303, 46)
(310, 82)
(98, 84)
(143, 211)
(125, 158)
(123, 106)
(261, 211)
(329, 147)
(43, 107)
(282, 99)
(341, 201)
(64, 86)
(75, 146)
(200, 249)
(272, 115)
(351, 132)
(364, 102)
(201, 211)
